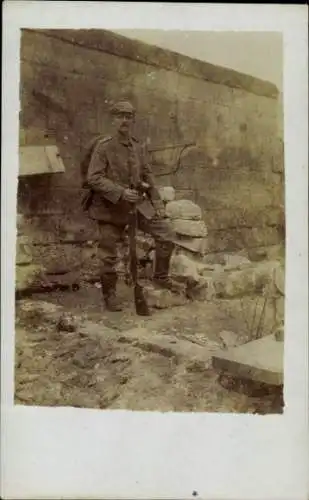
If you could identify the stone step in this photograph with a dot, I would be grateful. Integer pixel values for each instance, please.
(260, 360)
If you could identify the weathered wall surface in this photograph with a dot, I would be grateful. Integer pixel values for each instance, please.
(68, 81)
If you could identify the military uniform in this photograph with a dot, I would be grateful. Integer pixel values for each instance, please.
(117, 164)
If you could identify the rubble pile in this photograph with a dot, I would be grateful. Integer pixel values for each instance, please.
(202, 276)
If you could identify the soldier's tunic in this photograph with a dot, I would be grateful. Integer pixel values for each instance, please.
(116, 165)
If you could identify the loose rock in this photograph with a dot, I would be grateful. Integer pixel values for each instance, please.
(234, 261)
(67, 323)
(167, 193)
(279, 333)
(39, 311)
(28, 275)
(23, 251)
(228, 338)
(163, 299)
(183, 209)
(246, 281)
(184, 269)
(190, 228)
(203, 290)
(194, 245)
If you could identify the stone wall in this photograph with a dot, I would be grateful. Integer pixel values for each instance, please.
(69, 79)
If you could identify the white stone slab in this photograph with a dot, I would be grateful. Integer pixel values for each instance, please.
(260, 360)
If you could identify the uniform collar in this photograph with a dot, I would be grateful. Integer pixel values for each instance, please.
(125, 142)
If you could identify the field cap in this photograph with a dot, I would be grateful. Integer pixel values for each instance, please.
(123, 107)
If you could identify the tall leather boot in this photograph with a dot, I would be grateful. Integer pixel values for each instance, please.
(108, 283)
(162, 263)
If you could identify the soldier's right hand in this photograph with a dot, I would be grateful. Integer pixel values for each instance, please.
(130, 195)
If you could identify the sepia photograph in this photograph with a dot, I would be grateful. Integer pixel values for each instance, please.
(150, 251)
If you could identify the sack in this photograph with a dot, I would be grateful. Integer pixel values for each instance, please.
(86, 195)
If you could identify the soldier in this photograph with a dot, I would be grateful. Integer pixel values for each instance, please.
(118, 163)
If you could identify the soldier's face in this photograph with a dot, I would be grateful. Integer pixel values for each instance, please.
(124, 122)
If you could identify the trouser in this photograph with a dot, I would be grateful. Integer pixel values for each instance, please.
(111, 235)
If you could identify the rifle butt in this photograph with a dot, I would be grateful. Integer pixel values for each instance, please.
(141, 306)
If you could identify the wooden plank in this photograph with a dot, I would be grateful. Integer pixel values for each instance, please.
(39, 160)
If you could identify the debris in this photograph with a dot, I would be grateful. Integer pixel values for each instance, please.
(197, 366)
(67, 323)
(39, 311)
(228, 338)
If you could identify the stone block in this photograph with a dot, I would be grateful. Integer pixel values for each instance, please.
(194, 245)
(257, 254)
(62, 258)
(231, 240)
(251, 216)
(23, 251)
(183, 209)
(204, 290)
(167, 345)
(167, 193)
(46, 312)
(164, 299)
(190, 228)
(20, 224)
(234, 261)
(185, 269)
(252, 279)
(27, 276)
(40, 230)
(260, 360)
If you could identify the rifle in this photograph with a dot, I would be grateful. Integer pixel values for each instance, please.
(141, 305)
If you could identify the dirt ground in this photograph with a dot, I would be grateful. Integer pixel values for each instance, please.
(60, 368)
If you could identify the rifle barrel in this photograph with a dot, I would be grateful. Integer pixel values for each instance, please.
(170, 146)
